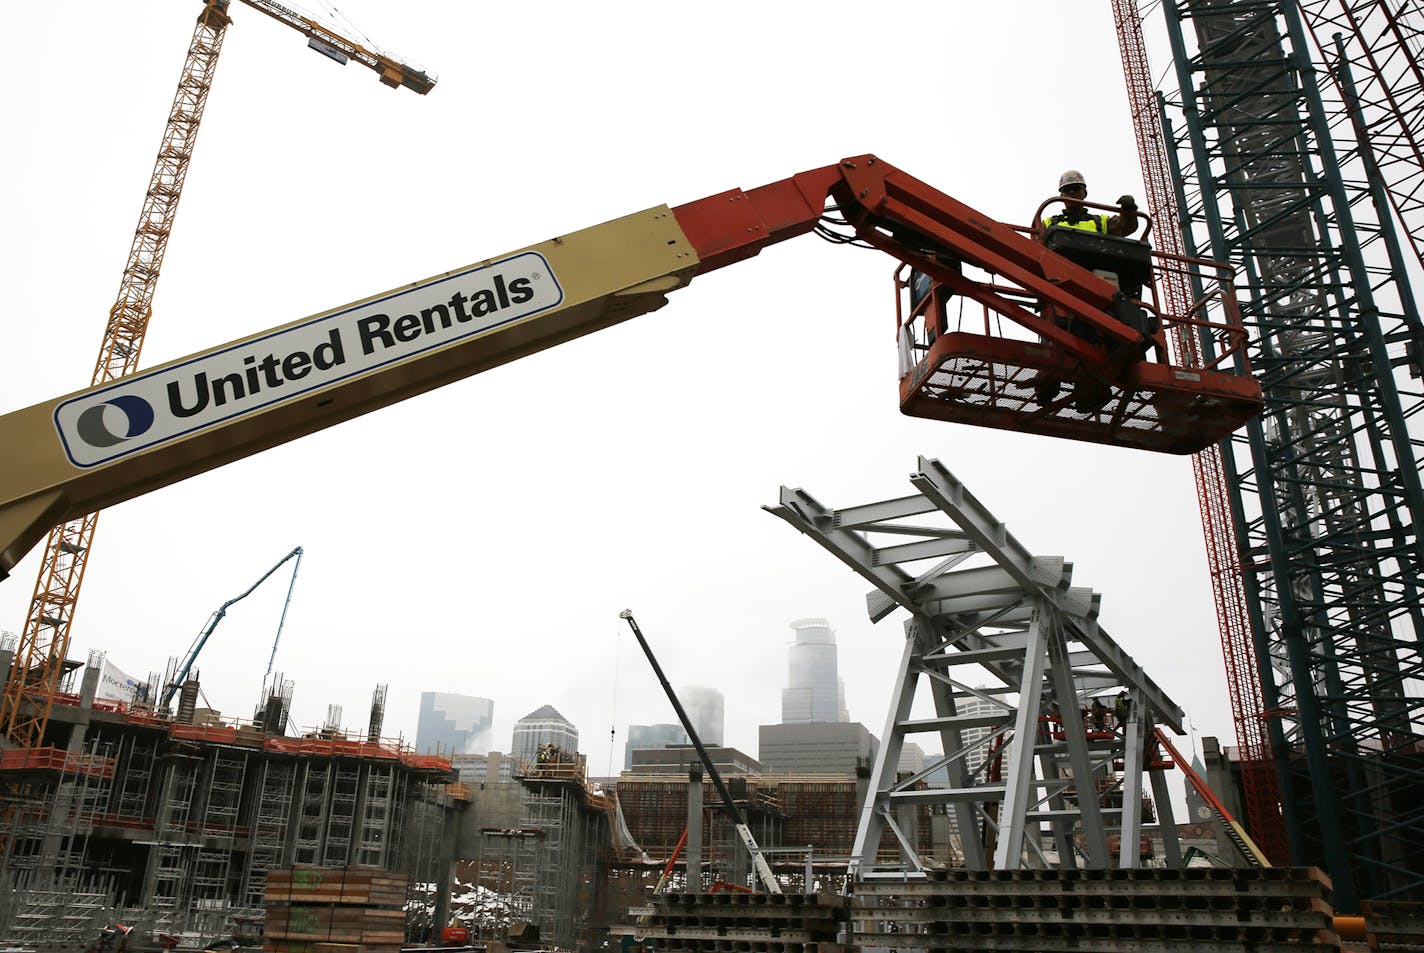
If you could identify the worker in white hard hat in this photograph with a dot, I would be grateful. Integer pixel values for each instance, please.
(1072, 186)
(1074, 191)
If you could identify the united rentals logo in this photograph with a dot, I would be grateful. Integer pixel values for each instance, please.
(141, 412)
(136, 413)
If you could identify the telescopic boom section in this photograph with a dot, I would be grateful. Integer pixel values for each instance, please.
(1074, 327)
(79, 453)
(920, 226)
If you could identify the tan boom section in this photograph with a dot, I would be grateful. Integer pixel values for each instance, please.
(95, 448)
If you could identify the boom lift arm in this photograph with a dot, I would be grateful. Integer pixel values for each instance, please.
(111, 443)
(759, 864)
(181, 675)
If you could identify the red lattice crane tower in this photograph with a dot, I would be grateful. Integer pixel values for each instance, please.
(1243, 680)
(43, 644)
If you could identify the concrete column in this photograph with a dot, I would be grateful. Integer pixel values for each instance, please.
(452, 849)
(693, 850)
(161, 822)
(1162, 803)
(907, 818)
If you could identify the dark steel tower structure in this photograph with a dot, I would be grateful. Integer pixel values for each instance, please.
(1286, 171)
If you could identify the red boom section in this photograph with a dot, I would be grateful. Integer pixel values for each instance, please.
(1064, 321)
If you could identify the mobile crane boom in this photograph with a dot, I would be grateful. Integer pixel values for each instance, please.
(759, 864)
(98, 447)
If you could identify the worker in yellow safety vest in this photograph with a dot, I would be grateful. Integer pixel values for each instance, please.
(1072, 186)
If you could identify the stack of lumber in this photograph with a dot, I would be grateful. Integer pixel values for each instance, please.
(334, 910)
(742, 922)
(1205, 910)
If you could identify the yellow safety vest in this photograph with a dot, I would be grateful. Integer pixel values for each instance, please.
(1093, 223)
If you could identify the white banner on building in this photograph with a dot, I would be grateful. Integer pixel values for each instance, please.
(114, 684)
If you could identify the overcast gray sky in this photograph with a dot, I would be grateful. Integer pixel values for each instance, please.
(482, 539)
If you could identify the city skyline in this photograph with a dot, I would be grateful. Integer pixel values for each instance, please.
(544, 725)
(641, 737)
(454, 723)
(814, 692)
(707, 710)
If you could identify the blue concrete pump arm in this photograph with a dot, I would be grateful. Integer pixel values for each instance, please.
(202, 639)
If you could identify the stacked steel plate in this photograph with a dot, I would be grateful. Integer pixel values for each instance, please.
(1204, 910)
(1394, 924)
(741, 923)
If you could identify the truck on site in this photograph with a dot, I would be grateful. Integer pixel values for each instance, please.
(1164, 382)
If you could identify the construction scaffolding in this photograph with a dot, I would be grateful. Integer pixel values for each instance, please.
(52, 798)
(566, 834)
(174, 826)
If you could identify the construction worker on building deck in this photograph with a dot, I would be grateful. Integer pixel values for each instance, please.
(1072, 186)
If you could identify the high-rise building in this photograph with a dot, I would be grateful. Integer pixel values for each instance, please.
(677, 759)
(972, 705)
(455, 724)
(644, 737)
(540, 727)
(912, 758)
(706, 709)
(825, 748)
(813, 691)
(482, 768)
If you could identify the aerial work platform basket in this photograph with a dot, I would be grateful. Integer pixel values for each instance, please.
(1182, 385)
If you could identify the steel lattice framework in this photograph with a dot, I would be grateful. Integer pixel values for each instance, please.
(1021, 752)
(1374, 49)
(1325, 485)
(1243, 673)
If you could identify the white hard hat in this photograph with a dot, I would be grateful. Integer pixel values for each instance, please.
(1071, 177)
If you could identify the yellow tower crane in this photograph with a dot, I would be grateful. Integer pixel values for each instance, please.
(44, 643)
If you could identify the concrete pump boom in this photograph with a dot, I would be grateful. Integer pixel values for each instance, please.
(181, 675)
(107, 444)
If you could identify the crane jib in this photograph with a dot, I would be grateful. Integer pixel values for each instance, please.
(145, 410)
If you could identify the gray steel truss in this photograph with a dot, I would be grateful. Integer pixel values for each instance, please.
(1013, 656)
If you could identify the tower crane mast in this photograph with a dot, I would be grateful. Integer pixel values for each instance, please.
(44, 642)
